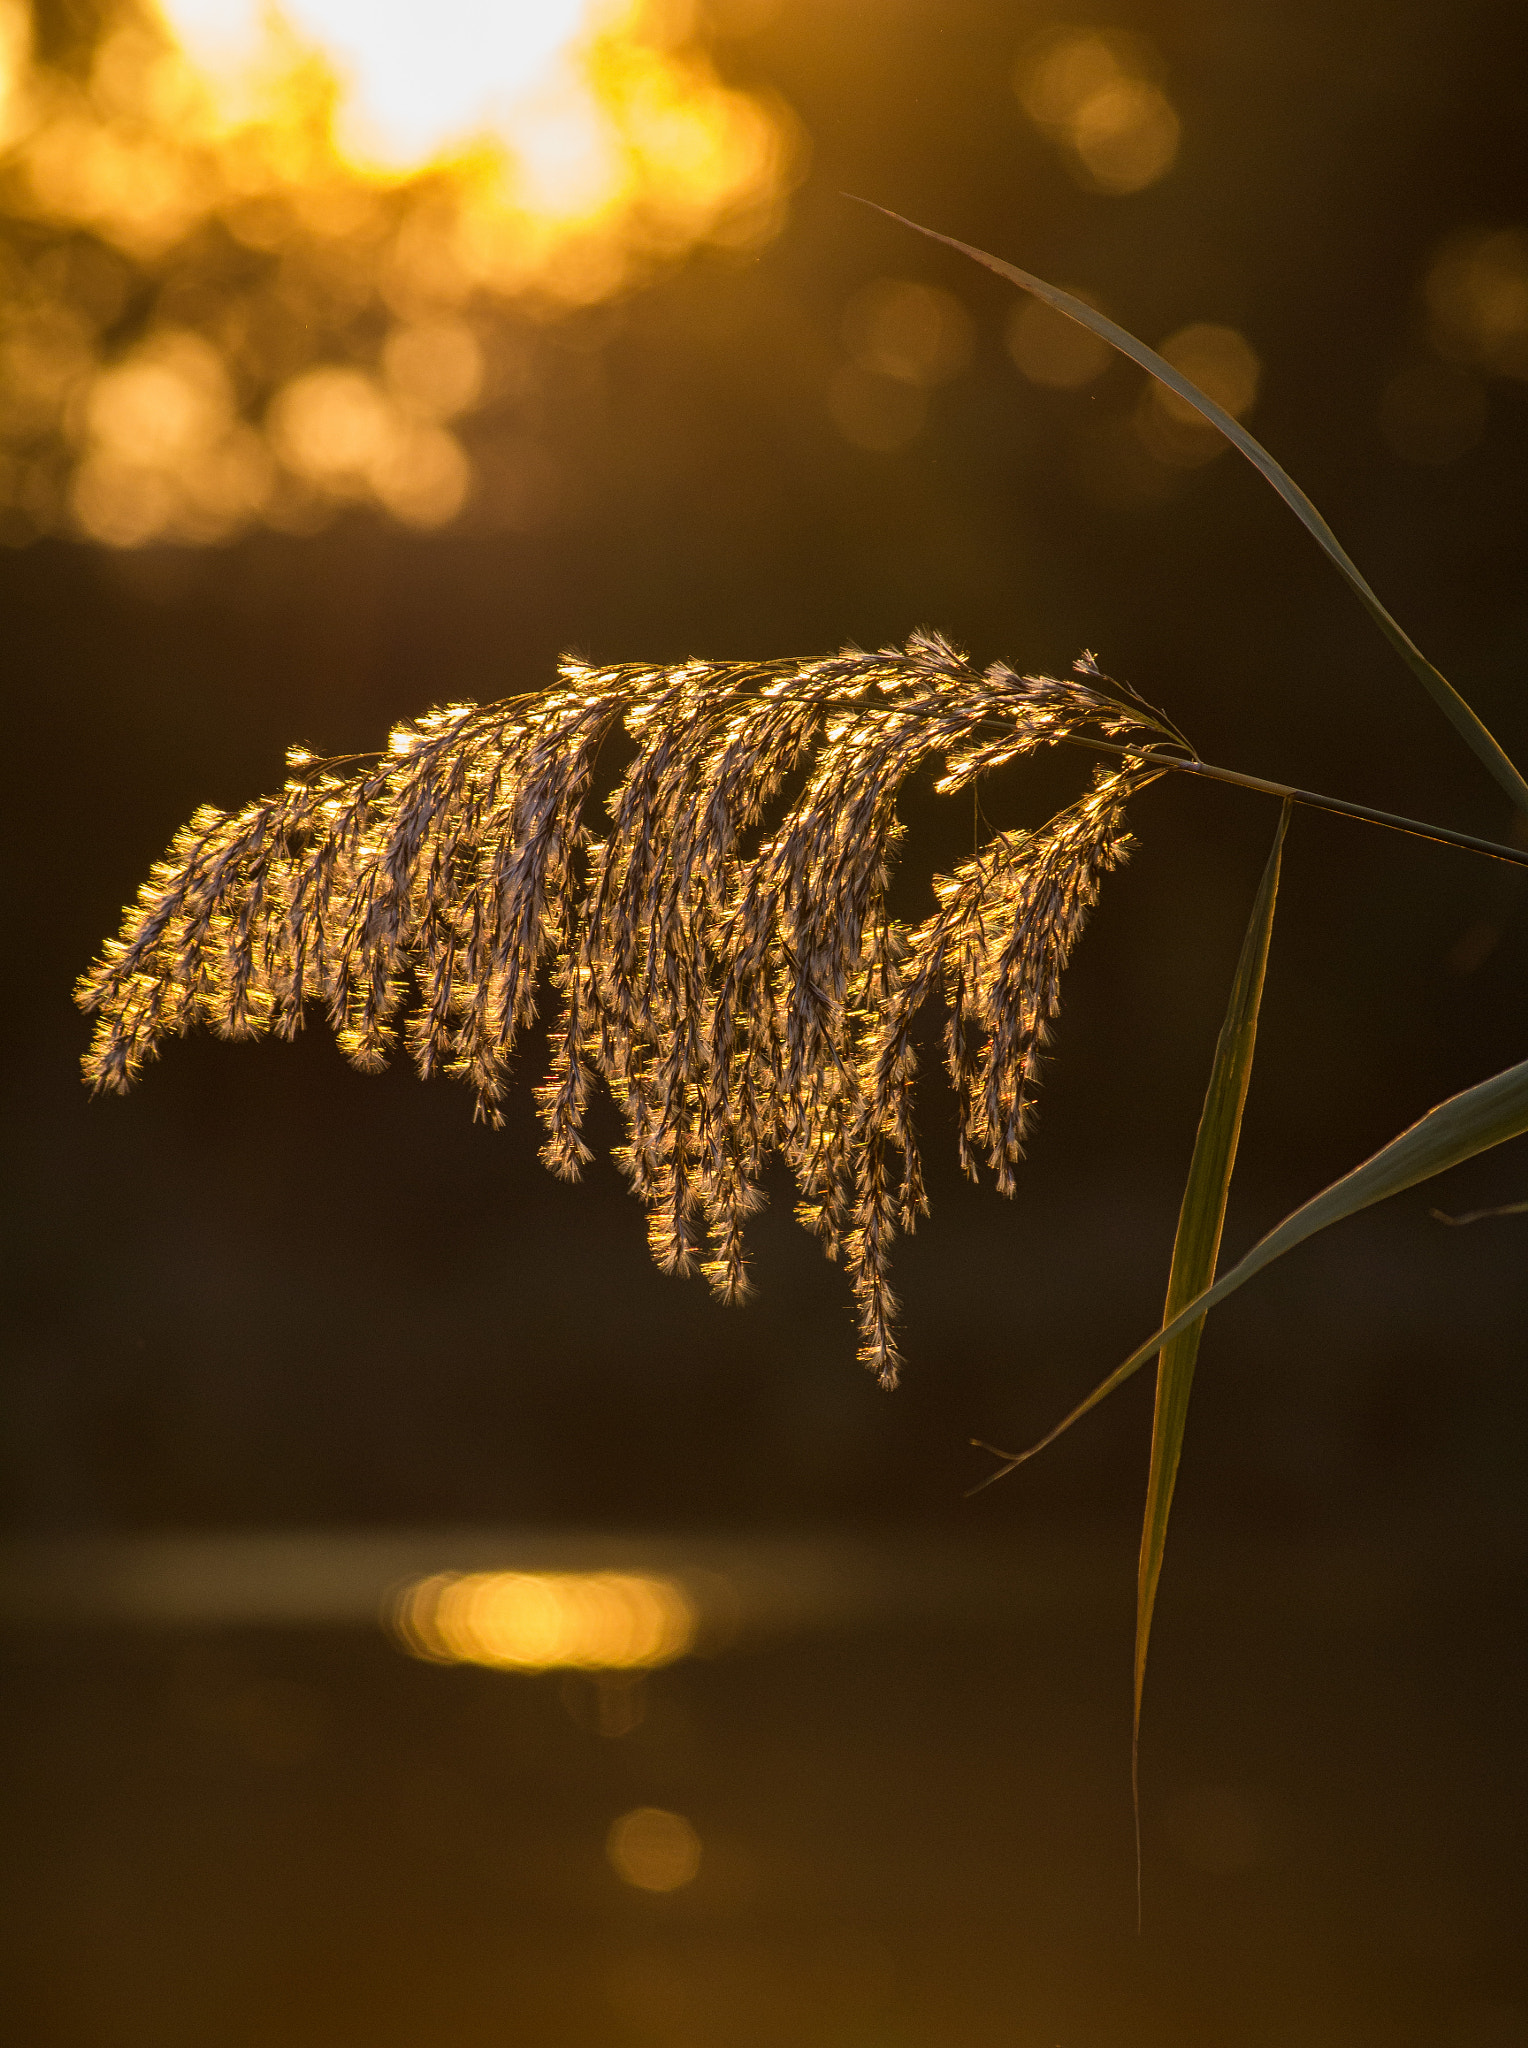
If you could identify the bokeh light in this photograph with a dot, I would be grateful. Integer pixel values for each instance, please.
(163, 449)
(256, 260)
(545, 1621)
(1225, 366)
(1476, 293)
(341, 433)
(901, 339)
(1098, 93)
(653, 1850)
(414, 82)
(1050, 349)
(913, 332)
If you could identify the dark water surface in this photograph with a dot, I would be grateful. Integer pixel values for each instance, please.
(913, 1811)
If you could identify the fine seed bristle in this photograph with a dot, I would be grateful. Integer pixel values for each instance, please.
(727, 968)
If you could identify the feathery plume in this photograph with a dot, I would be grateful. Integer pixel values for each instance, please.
(726, 966)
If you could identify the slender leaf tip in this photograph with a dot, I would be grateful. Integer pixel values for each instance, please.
(1471, 728)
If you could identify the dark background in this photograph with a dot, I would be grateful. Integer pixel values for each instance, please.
(264, 1291)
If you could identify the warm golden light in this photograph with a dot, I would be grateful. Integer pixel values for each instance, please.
(1053, 350)
(164, 448)
(15, 41)
(1476, 291)
(901, 338)
(914, 332)
(545, 1621)
(415, 82)
(653, 1850)
(571, 107)
(1220, 361)
(1126, 136)
(1098, 93)
(321, 208)
(341, 433)
(1225, 366)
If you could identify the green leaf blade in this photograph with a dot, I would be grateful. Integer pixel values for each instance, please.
(1196, 1247)
(1491, 1113)
(1466, 722)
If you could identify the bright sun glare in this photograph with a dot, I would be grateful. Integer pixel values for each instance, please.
(425, 76)
(322, 211)
(418, 84)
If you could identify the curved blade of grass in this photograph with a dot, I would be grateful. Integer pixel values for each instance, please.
(1489, 1114)
(1195, 1250)
(1474, 732)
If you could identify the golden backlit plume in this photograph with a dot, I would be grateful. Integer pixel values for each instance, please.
(545, 1621)
(254, 258)
(740, 988)
(1098, 94)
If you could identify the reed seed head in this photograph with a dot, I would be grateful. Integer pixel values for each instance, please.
(724, 964)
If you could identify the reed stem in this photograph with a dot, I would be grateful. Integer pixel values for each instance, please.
(1518, 856)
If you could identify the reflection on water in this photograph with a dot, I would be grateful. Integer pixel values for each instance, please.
(898, 1817)
(545, 1621)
